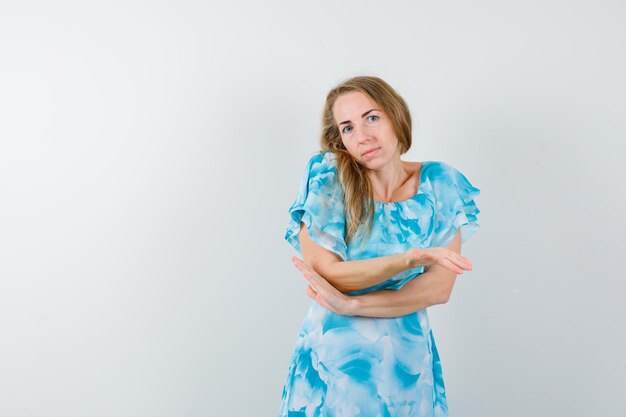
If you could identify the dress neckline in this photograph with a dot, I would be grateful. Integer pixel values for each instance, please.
(419, 188)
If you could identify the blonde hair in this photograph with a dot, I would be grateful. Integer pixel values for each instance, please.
(358, 191)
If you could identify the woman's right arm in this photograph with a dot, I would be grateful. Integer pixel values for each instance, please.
(348, 276)
(429, 288)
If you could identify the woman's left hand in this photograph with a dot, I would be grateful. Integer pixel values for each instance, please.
(323, 292)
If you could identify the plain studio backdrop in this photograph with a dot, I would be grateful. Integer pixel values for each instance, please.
(150, 152)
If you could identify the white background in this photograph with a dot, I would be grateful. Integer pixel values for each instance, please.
(150, 150)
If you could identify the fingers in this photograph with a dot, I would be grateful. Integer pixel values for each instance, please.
(303, 266)
(312, 275)
(463, 263)
(317, 281)
(311, 292)
(312, 280)
(451, 260)
(459, 260)
(457, 267)
(300, 264)
(319, 289)
(453, 267)
(319, 299)
(308, 272)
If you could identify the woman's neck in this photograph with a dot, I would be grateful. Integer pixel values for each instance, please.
(388, 180)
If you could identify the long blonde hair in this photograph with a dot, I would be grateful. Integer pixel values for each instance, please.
(358, 191)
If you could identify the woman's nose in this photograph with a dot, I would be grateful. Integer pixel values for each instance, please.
(364, 137)
(362, 134)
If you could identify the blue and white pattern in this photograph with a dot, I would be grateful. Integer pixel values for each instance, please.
(349, 366)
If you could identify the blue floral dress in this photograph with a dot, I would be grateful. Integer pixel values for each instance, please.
(349, 366)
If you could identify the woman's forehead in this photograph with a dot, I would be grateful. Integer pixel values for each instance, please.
(352, 105)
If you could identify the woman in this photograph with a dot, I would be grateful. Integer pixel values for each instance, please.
(381, 241)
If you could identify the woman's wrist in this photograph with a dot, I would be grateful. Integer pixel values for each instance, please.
(416, 257)
(401, 262)
(354, 306)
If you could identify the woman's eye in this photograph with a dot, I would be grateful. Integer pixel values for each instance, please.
(373, 115)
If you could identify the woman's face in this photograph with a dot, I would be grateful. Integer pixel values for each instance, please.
(366, 131)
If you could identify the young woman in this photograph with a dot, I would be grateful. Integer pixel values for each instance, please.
(380, 240)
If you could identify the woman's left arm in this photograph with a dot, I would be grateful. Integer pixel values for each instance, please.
(431, 287)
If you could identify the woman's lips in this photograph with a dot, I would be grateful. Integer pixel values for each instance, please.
(371, 152)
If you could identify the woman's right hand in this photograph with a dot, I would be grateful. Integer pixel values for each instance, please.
(445, 257)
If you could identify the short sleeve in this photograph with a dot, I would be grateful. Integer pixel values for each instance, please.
(320, 205)
(454, 205)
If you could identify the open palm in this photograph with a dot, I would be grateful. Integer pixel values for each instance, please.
(322, 291)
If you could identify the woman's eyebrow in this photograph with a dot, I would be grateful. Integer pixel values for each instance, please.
(363, 115)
